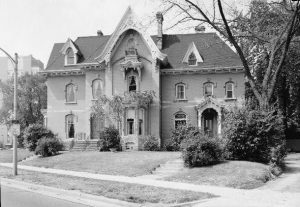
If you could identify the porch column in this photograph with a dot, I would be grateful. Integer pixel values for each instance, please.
(199, 119)
(123, 124)
(136, 121)
(219, 124)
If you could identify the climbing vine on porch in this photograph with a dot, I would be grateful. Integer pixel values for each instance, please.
(112, 108)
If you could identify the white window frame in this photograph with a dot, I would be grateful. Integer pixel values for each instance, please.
(184, 91)
(204, 89)
(226, 95)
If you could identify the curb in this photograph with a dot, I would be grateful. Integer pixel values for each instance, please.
(72, 196)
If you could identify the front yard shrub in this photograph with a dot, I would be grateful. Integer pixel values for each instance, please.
(48, 146)
(151, 143)
(201, 150)
(254, 135)
(182, 132)
(109, 138)
(33, 133)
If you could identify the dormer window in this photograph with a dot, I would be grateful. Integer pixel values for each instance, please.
(132, 86)
(71, 52)
(192, 56)
(70, 57)
(192, 59)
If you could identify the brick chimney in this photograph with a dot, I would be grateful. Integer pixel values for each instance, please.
(159, 39)
(99, 33)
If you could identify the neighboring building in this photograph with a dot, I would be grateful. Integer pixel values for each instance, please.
(26, 64)
(194, 76)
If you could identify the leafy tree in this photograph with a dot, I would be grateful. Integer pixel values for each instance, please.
(261, 37)
(32, 97)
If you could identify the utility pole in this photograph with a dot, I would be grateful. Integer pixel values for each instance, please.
(15, 142)
(15, 123)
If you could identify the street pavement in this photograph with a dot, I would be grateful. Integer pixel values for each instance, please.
(13, 197)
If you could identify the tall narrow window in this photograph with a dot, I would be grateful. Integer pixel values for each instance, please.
(192, 59)
(180, 119)
(132, 84)
(229, 90)
(140, 127)
(208, 89)
(130, 126)
(70, 57)
(70, 126)
(70, 93)
(180, 91)
(97, 87)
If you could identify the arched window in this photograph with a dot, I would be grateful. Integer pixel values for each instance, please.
(229, 90)
(180, 119)
(192, 59)
(70, 126)
(131, 49)
(70, 93)
(70, 56)
(132, 86)
(180, 91)
(208, 89)
(97, 88)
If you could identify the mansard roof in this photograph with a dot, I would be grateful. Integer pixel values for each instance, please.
(214, 51)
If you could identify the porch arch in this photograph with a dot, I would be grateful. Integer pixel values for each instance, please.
(210, 104)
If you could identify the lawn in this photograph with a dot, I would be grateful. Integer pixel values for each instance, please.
(236, 174)
(133, 163)
(122, 191)
(7, 155)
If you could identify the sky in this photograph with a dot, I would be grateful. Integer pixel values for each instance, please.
(33, 26)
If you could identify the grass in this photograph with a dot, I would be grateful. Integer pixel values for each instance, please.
(116, 190)
(7, 155)
(236, 174)
(133, 163)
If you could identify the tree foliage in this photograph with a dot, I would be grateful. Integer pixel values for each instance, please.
(32, 97)
(254, 135)
(261, 37)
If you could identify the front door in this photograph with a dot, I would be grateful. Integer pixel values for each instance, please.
(209, 120)
(97, 125)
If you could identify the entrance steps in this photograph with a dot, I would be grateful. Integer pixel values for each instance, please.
(165, 170)
(86, 145)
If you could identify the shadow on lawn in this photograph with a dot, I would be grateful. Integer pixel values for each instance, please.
(291, 167)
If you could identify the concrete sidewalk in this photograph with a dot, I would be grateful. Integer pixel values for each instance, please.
(221, 191)
(229, 196)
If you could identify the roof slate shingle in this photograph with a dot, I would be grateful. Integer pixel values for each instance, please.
(214, 51)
